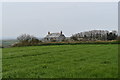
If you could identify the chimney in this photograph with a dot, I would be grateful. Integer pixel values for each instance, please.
(61, 32)
(48, 32)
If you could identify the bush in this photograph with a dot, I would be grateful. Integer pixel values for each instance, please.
(27, 40)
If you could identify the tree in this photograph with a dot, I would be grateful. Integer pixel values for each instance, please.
(26, 38)
(74, 38)
(95, 35)
(111, 36)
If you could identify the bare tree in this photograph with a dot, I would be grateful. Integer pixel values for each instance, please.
(26, 38)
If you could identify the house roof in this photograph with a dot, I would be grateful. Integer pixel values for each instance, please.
(54, 35)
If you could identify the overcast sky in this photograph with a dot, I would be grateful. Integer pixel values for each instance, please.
(0, 20)
(37, 18)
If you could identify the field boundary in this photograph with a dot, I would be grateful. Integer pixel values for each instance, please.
(65, 43)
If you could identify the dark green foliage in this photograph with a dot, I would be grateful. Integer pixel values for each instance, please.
(82, 42)
(111, 36)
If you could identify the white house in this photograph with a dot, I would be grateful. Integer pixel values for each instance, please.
(54, 37)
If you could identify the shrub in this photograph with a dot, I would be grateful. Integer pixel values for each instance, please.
(27, 40)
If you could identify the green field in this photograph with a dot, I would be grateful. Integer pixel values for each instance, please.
(61, 61)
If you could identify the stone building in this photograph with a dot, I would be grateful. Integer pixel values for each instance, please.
(54, 37)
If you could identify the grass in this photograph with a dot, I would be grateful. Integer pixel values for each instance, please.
(0, 63)
(61, 61)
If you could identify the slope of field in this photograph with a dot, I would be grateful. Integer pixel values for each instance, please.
(63, 61)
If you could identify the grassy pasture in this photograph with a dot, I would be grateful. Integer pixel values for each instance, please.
(61, 61)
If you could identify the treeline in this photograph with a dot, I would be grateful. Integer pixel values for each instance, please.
(87, 37)
(95, 35)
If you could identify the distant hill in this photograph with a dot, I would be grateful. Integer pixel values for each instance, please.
(7, 43)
